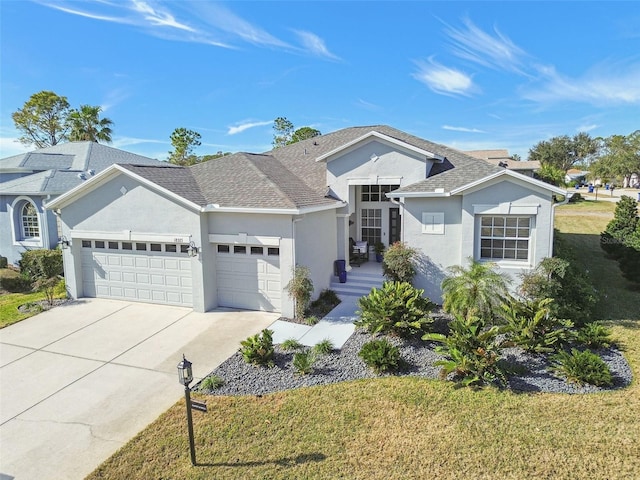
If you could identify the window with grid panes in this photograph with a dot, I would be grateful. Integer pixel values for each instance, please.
(371, 231)
(376, 193)
(505, 237)
(30, 227)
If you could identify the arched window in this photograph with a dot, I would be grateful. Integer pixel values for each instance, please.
(29, 221)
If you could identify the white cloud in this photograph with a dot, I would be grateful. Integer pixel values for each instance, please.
(495, 51)
(603, 85)
(159, 17)
(314, 44)
(10, 146)
(587, 128)
(444, 80)
(462, 129)
(367, 105)
(121, 142)
(246, 126)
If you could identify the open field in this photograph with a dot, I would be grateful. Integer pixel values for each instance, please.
(399, 428)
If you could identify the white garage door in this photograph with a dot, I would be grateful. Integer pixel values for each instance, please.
(137, 271)
(248, 276)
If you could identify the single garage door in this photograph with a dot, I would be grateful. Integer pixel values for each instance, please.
(137, 271)
(248, 276)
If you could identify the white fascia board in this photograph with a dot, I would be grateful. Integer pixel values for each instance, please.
(129, 236)
(104, 176)
(274, 211)
(384, 138)
(417, 194)
(244, 239)
(514, 175)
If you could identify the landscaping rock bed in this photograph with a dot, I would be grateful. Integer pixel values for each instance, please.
(241, 378)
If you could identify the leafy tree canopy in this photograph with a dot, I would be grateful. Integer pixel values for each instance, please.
(564, 152)
(620, 156)
(43, 119)
(184, 141)
(86, 125)
(286, 134)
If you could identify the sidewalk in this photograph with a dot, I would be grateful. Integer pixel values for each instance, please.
(337, 326)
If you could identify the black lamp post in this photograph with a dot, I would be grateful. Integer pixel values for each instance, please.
(185, 377)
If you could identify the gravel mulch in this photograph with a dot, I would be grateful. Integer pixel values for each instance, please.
(241, 378)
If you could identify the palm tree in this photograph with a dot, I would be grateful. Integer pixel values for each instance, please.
(475, 291)
(86, 125)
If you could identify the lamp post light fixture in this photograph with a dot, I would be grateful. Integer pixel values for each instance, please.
(185, 377)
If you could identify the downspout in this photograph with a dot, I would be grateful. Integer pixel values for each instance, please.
(567, 197)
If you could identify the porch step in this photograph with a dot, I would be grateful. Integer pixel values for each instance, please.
(358, 283)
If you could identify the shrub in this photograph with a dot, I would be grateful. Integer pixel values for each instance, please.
(312, 320)
(582, 367)
(43, 268)
(595, 335)
(212, 382)
(574, 297)
(397, 307)
(380, 356)
(398, 264)
(17, 284)
(323, 347)
(473, 352)
(300, 288)
(303, 362)
(4, 262)
(291, 344)
(326, 301)
(258, 349)
(532, 326)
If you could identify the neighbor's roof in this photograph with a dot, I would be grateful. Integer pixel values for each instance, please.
(56, 169)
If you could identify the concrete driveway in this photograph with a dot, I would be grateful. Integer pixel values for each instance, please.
(77, 382)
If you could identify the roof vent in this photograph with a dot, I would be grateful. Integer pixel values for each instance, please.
(91, 172)
(315, 143)
(82, 176)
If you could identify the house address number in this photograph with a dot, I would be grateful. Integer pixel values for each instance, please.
(178, 240)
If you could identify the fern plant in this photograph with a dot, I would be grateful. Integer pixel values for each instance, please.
(582, 367)
(397, 308)
(291, 344)
(595, 335)
(258, 349)
(473, 352)
(380, 356)
(323, 347)
(212, 382)
(303, 362)
(531, 326)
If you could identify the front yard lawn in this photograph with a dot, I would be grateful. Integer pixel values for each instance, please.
(407, 427)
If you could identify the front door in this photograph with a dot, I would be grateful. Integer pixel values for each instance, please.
(394, 225)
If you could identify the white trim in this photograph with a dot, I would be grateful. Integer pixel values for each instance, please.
(104, 176)
(419, 194)
(212, 207)
(514, 175)
(433, 223)
(372, 135)
(244, 239)
(129, 236)
(507, 208)
(17, 232)
(374, 180)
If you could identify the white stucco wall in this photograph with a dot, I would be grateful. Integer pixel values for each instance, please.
(389, 166)
(139, 211)
(316, 247)
(460, 239)
(245, 226)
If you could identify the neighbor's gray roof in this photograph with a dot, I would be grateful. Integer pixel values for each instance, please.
(290, 176)
(56, 169)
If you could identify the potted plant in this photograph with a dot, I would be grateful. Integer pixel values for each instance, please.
(379, 249)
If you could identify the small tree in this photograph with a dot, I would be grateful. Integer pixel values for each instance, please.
(43, 268)
(476, 291)
(43, 119)
(184, 141)
(399, 263)
(300, 289)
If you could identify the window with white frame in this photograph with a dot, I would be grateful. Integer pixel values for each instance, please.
(376, 193)
(505, 237)
(371, 225)
(29, 221)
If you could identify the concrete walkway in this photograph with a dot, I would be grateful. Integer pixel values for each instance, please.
(79, 381)
(337, 326)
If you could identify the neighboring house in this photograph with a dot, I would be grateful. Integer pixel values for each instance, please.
(228, 232)
(501, 158)
(575, 175)
(30, 179)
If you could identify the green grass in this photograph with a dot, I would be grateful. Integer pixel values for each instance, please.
(9, 302)
(402, 427)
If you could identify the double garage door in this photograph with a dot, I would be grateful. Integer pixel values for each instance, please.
(137, 271)
(248, 276)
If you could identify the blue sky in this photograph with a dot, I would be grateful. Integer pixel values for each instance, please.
(472, 75)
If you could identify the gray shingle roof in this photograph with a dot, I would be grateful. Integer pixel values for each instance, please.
(56, 169)
(290, 177)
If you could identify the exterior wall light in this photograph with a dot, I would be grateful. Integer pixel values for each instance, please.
(192, 251)
(64, 242)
